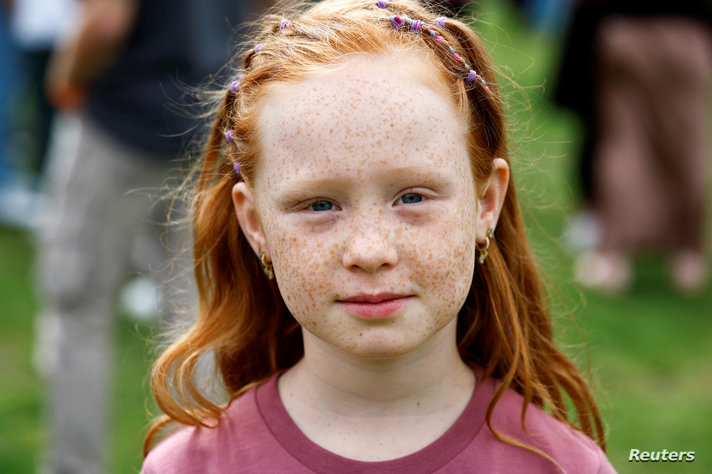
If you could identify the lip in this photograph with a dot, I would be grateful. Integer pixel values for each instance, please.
(378, 306)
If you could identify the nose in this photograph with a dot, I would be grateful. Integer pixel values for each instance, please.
(370, 245)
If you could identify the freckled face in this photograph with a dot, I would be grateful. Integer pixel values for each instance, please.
(365, 190)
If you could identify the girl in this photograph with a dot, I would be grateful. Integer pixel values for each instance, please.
(365, 284)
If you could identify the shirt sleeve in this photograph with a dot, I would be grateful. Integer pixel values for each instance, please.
(605, 467)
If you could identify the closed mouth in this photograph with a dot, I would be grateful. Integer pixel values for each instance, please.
(379, 306)
(373, 299)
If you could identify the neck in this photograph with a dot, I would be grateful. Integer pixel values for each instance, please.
(433, 376)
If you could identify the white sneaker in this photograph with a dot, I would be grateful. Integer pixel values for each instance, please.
(608, 272)
(689, 272)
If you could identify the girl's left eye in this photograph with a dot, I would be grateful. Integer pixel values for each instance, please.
(321, 206)
(410, 198)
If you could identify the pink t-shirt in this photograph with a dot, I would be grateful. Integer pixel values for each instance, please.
(257, 435)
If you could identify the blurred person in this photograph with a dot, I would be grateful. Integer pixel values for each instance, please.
(36, 28)
(651, 70)
(123, 73)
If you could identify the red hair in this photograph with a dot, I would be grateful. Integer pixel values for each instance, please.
(504, 325)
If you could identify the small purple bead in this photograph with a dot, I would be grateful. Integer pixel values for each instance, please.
(259, 47)
(234, 86)
(283, 24)
(229, 135)
(471, 76)
(236, 167)
(440, 21)
(381, 4)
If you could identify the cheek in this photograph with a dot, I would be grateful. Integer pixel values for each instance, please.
(450, 270)
(447, 260)
(301, 268)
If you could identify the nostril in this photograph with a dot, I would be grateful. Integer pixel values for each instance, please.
(370, 252)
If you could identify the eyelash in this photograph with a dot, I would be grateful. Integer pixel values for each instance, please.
(311, 206)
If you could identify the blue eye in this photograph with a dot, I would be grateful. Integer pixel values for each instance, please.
(411, 198)
(321, 206)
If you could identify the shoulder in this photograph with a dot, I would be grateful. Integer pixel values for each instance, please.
(571, 449)
(194, 449)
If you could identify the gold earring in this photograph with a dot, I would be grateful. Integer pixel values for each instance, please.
(266, 266)
(484, 249)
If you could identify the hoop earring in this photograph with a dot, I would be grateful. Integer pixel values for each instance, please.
(266, 266)
(484, 249)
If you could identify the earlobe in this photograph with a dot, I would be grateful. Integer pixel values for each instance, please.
(246, 212)
(492, 198)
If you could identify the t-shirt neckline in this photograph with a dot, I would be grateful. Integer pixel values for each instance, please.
(431, 458)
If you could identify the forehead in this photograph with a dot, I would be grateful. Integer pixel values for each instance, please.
(368, 108)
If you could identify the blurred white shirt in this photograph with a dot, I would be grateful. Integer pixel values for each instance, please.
(43, 24)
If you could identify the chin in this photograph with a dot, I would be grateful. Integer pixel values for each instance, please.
(375, 348)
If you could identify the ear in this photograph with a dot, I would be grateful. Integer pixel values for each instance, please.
(243, 200)
(492, 198)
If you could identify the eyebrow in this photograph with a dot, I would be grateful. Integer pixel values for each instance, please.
(296, 187)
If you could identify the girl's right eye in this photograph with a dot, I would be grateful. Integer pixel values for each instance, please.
(321, 206)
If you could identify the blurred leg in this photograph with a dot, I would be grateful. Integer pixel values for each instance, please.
(650, 164)
(99, 199)
(653, 146)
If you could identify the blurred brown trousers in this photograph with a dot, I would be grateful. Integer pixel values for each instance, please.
(650, 172)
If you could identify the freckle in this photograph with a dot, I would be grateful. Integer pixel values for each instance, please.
(418, 403)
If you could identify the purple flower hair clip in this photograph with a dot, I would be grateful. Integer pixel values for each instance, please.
(234, 86)
(236, 167)
(229, 136)
(283, 24)
(259, 47)
(382, 3)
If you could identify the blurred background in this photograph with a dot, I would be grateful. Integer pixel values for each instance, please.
(636, 317)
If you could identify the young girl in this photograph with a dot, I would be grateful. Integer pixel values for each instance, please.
(365, 283)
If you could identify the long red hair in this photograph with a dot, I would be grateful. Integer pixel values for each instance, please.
(504, 325)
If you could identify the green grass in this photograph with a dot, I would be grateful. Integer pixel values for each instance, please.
(21, 396)
(649, 350)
